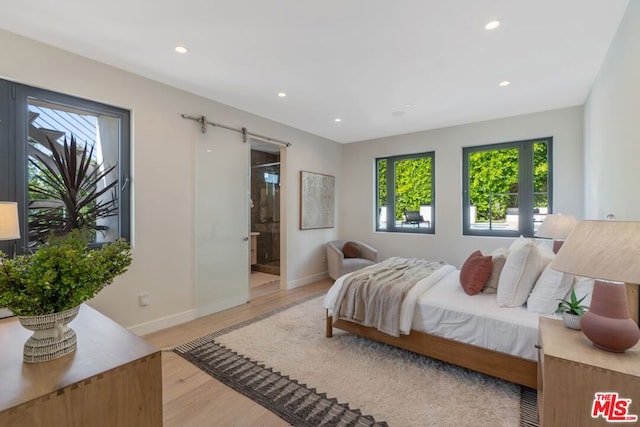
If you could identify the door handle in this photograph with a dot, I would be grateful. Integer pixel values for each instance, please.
(245, 238)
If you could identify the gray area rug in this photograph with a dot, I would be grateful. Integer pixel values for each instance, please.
(268, 357)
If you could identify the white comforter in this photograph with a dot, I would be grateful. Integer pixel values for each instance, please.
(408, 305)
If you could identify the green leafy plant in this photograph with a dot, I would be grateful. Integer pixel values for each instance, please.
(573, 305)
(70, 176)
(61, 274)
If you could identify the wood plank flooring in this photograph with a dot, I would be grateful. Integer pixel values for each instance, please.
(193, 398)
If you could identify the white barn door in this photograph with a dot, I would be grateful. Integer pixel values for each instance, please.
(222, 220)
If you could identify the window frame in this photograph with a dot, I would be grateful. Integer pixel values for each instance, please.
(390, 202)
(14, 130)
(525, 188)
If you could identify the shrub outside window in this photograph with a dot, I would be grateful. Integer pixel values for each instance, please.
(507, 187)
(405, 199)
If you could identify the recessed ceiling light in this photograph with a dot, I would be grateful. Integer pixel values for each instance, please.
(408, 105)
(282, 94)
(181, 49)
(504, 83)
(337, 120)
(492, 25)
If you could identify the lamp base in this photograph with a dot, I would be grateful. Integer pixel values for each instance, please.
(607, 323)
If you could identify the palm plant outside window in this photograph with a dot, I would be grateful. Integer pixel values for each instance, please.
(67, 166)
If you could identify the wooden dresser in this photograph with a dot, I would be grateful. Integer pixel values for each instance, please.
(571, 371)
(114, 378)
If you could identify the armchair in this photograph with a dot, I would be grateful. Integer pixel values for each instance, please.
(340, 265)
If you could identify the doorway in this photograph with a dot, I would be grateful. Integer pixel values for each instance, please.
(265, 219)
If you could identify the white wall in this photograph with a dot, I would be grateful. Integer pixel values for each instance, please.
(612, 127)
(163, 178)
(448, 244)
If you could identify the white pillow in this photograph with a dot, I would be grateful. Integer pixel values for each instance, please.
(546, 245)
(498, 259)
(546, 250)
(518, 243)
(550, 288)
(521, 270)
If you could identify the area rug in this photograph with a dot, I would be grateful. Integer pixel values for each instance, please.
(283, 361)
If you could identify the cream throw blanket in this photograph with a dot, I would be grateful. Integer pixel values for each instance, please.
(374, 295)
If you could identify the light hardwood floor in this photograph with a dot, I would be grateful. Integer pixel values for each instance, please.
(192, 397)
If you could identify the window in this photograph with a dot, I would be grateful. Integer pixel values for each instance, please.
(507, 187)
(405, 193)
(34, 126)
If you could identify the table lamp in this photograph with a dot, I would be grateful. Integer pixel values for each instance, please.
(9, 224)
(608, 251)
(556, 227)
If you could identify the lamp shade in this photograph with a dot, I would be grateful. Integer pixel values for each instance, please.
(9, 224)
(608, 250)
(556, 226)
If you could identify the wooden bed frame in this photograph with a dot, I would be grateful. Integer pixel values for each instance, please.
(511, 368)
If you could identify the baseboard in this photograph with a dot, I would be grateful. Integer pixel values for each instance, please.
(163, 323)
(306, 280)
(222, 305)
(186, 316)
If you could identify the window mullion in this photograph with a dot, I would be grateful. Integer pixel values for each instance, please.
(525, 188)
(391, 194)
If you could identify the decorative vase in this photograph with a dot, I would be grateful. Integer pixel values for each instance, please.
(571, 320)
(608, 323)
(51, 338)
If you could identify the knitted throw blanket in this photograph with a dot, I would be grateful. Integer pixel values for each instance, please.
(373, 296)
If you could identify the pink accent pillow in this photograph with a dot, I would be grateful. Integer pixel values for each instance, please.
(475, 272)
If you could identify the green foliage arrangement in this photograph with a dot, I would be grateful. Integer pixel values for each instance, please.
(573, 305)
(60, 275)
(69, 175)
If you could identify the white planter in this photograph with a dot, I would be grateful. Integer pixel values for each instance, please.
(571, 320)
(52, 338)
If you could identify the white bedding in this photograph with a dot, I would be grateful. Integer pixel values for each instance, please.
(444, 309)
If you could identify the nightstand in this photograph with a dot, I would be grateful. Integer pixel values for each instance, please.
(571, 371)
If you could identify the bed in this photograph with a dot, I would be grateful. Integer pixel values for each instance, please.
(475, 332)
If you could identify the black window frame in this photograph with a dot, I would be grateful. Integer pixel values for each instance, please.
(525, 188)
(14, 125)
(390, 175)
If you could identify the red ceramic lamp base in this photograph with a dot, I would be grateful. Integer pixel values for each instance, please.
(607, 323)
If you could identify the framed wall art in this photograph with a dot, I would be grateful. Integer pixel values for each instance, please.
(317, 200)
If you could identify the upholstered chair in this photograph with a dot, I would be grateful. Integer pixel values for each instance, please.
(339, 264)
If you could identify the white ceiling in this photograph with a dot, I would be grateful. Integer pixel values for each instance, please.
(360, 60)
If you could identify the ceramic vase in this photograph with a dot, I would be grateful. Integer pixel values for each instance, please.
(51, 338)
(571, 320)
(608, 323)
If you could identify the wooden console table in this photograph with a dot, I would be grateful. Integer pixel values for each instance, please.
(114, 378)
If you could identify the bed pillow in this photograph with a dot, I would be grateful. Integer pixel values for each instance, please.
(521, 270)
(518, 243)
(351, 250)
(498, 258)
(474, 272)
(546, 250)
(550, 288)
